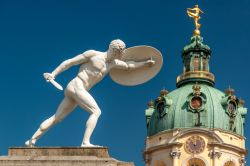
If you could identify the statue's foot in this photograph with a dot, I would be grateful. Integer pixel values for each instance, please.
(87, 145)
(30, 143)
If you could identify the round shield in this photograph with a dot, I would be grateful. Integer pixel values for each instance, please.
(142, 74)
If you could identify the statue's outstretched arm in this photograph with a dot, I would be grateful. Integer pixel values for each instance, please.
(131, 65)
(192, 9)
(79, 59)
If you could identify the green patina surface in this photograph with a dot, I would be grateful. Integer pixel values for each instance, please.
(215, 107)
(178, 116)
(196, 44)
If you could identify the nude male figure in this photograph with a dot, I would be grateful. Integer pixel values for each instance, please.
(94, 66)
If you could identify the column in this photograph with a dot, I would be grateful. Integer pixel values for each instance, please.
(175, 154)
(215, 155)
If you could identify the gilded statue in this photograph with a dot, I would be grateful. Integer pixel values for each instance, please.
(195, 14)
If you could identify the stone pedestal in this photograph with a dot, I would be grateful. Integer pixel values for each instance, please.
(60, 156)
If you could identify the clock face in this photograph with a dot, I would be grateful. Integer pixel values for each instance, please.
(195, 144)
(196, 102)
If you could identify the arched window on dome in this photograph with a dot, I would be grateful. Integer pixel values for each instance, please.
(187, 65)
(229, 163)
(196, 162)
(196, 63)
(204, 64)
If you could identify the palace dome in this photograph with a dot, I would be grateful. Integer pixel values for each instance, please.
(195, 102)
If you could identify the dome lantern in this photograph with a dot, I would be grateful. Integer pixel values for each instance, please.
(196, 56)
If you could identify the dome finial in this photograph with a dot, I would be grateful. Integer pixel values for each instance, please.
(195, 14)
(151, 104)
(163, 92)
(229, 91)
(241, 102)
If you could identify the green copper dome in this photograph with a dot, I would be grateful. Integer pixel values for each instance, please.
(182, 108)
(195, 102)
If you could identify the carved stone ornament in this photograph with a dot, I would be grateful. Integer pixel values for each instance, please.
(147, 159)
(151, 104)
(242, 161)
(231, 105)
(196, 90)
(161, 108)
(196, 103)
(231, 110)
(214, 154)
(175, 154)
(196, 100)
(163, 93)
(162, 103)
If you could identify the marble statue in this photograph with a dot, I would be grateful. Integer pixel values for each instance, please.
(94, 66)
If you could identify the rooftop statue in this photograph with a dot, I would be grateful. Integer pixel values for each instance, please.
(94, 66)
(195, 14)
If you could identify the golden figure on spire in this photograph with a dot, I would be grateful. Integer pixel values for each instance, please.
(195, 13)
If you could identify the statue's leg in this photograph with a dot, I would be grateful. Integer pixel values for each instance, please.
(66, 106)
(87, 102)
(190, 14)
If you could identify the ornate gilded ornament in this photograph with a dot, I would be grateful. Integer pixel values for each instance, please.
(162, 103)
(231, 108)
(241, 102)
(161, 108)
(163, 93)
(196, 90)
(242, 110)
(195, 14)
(195, 144)
(242, 161)
(231, 111)
(231, 103)
(151, 104)
(229, 91)
(196, 102)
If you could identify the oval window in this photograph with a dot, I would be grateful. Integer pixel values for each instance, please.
(160, 107)
(231, 107)
(196, 102)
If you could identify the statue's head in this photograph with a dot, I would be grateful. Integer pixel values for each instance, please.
(196, 6)
(116, 47)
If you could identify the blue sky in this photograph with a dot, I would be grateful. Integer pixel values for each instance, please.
(36, 36)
